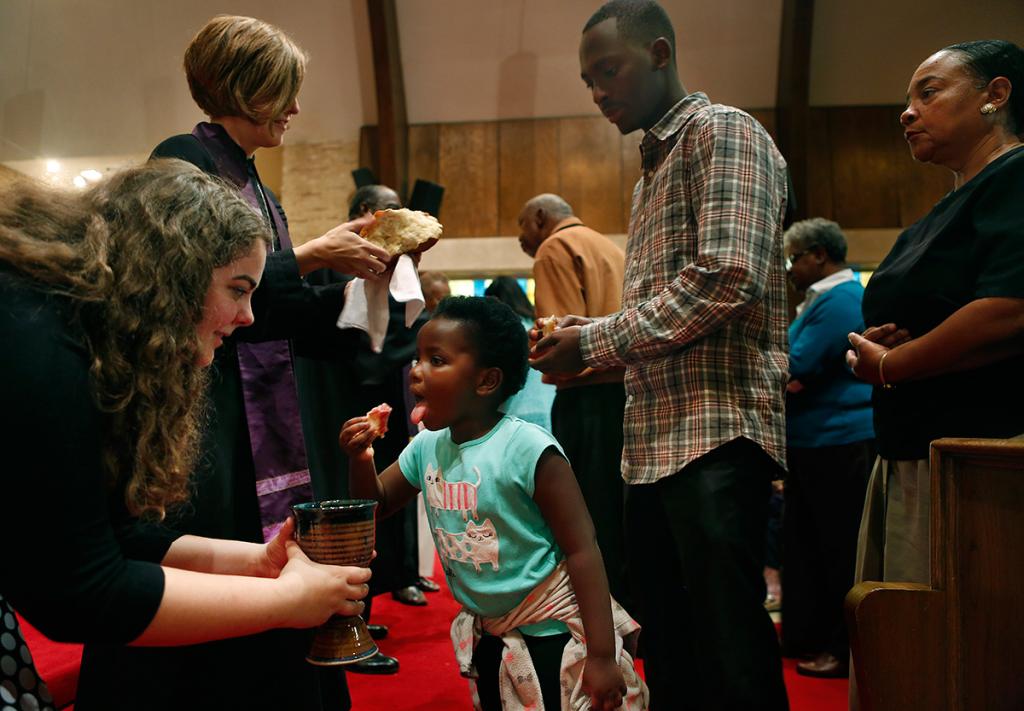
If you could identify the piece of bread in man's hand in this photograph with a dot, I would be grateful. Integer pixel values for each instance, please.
(401, 231)
(548, 326)
(378, 418)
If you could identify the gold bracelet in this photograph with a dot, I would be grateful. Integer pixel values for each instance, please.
(881, 371)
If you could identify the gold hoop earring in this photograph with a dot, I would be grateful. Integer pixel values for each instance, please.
(988, 108)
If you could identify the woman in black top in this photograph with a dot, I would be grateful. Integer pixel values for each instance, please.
(113, 302)
(945, 309)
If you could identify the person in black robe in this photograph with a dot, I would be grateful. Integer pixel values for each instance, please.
(338, 386)
(245, 75)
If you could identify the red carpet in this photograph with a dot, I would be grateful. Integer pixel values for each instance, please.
(56, 662)
(428, 678)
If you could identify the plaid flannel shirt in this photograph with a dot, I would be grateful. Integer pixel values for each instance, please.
(702, 331)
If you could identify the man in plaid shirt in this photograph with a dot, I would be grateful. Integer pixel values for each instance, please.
(702, 334)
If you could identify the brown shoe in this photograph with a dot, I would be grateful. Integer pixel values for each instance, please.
(824, 666)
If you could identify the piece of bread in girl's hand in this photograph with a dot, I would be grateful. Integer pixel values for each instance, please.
(548, 326)
(378, 418)
(401, 231)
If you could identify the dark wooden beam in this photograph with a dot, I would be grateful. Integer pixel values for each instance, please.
(392, 122)
(792, 98)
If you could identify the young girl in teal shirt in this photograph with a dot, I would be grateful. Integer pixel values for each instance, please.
(513, 534)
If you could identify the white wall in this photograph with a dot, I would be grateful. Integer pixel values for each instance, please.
(865, 51)
(103, 77)
(473, 60)
(99, 77)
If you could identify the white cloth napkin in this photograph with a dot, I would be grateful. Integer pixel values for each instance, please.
(366, 302)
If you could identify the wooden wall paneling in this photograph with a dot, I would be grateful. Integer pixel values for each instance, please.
(423, 153)
(792, 94)
(766, 117)
(527, 166)
(818, 195)
(631, 169)
(921, 185)
(368, 149)
(864, 168)
(393, 126)
(866, 248)
(468, 169)
(590, 159)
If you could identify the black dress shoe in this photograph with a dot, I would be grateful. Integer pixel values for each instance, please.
(378, 631)
(824, 666)
(427, 585)
(411, 595)
(377, 664)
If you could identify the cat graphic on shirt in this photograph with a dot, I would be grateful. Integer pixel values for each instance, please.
(450, 495)
(478, 544)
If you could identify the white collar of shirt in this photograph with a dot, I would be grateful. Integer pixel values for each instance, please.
(823, 285)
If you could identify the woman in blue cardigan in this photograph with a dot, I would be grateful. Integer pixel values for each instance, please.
(830, 449)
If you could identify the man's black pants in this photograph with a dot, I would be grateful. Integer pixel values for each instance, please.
(696, 546)
(587, 422)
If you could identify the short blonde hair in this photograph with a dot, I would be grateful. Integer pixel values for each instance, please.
(241, 66)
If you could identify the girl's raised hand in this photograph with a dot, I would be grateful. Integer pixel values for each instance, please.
(355, 438)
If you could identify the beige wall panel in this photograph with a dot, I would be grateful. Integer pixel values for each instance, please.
(466, 60)
(590, 158)
(473, 257)
(527, 165)
(865, 52)
(270, 164)
(316, 186)
(468, 170)
(105, 77)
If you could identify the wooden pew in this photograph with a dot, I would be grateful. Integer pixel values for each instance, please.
(958, 643)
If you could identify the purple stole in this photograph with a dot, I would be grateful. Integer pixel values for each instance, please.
(268, 380)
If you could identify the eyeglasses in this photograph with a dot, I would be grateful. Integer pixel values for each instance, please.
(792, 258)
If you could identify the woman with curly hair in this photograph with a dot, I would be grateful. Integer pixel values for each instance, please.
(114, 301)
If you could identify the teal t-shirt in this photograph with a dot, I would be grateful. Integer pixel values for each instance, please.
(493, 542)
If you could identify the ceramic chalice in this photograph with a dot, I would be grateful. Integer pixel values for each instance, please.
(338, 532)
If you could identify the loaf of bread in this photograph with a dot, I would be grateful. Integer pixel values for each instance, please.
(401, 231)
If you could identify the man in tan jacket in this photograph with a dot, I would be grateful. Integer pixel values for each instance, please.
(579, 271)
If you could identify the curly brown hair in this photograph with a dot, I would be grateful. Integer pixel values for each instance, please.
(135, 256)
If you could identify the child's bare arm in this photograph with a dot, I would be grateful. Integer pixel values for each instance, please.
(558, 496)
(391, 488)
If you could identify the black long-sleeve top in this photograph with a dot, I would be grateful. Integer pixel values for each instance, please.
(74, 564)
